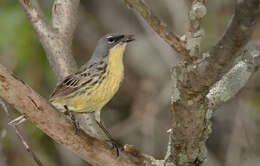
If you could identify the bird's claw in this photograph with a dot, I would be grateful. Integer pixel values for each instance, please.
(73, 120)
(115, 145)
(75, 124)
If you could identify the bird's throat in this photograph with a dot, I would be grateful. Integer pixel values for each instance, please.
(115, 60)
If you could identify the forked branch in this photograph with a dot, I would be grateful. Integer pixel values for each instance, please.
(237, 35)
(56, 39)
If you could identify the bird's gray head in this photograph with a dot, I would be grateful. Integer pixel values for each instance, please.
(109, 41)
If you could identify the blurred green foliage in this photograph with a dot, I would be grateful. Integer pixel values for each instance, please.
(18, 40)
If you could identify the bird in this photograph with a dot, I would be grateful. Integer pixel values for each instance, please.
(90, 88)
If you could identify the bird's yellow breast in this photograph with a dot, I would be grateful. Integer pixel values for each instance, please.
(100, 94)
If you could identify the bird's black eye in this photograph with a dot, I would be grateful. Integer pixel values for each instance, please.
(111, 40)
(114, 39)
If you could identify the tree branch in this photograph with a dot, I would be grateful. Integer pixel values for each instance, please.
(44, 116)
(195, 34)
(56, 40)
(235, 79)
(64, 17)
(158, 26)
(197, 12)
(37, 19)
(238, 33)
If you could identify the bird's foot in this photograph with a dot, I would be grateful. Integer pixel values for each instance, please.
(73, 120)
(115, 145)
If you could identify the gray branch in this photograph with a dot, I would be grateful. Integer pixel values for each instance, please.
(195, 34)
(158, 26)
(64, 17)
(238, 33)
(37, 19)
(57, 39)
(233, 81)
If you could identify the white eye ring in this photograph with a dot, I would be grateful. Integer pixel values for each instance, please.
(109, 37)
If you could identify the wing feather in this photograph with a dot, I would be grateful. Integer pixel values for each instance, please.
(88, 74)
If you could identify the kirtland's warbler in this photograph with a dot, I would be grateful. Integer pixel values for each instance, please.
(97, 81)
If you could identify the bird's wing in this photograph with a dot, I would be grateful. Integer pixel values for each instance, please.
(87, 76)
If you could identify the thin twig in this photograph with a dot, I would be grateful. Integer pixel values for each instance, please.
(20, 136)
(158, 26)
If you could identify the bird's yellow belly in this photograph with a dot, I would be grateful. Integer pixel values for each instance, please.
(99, 95)
(96, 97)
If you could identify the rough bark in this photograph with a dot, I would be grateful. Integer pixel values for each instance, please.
(235, 79)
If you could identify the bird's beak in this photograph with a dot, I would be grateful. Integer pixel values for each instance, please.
(128, 38)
